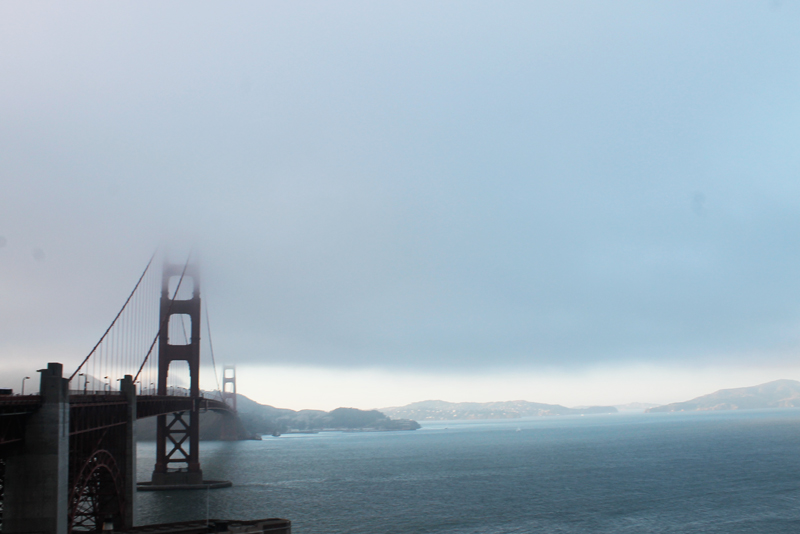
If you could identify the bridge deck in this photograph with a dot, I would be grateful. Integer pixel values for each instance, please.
(94, 411)
(14, 412)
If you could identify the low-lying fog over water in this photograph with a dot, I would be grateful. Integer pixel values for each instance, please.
(710, 472)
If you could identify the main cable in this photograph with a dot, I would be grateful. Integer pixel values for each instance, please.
(115, 318)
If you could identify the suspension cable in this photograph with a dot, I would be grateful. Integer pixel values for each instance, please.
(166, 317)
(211, 346)
(115, 318)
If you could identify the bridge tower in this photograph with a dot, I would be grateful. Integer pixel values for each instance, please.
(231, 426)
(229, 377)
(178, 434)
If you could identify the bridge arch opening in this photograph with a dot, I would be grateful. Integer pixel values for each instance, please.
(178, 378)
(185, 291)
(180, 329)
(97, 494)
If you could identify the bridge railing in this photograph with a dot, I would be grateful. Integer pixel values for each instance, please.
(93, 392)
(172, 391)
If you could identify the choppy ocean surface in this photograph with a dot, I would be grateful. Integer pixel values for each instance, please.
(726, 472)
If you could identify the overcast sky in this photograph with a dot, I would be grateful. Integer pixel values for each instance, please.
(428, 190)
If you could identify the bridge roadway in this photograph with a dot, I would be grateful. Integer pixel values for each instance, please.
(95, 410)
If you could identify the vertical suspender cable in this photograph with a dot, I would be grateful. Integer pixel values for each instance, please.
(211, 347)
(115, 318)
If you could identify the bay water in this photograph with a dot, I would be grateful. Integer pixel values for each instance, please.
(725, 472)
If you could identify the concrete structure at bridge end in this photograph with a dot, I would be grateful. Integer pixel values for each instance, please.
(37, 475)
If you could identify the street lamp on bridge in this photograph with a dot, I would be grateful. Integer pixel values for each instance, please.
(22, 389)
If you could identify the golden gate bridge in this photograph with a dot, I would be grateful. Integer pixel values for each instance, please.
(68, 454)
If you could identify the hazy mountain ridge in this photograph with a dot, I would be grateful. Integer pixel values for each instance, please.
(437, 410)
(264, 419)
(776, 394)
(261, 419)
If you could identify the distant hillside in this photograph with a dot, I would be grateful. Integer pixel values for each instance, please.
(261, 419)
(777, 394)
(436, 410)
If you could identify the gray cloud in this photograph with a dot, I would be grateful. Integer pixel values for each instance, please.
(410, 185)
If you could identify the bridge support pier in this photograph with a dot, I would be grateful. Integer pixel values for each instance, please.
(37, 475)
(128, 389)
